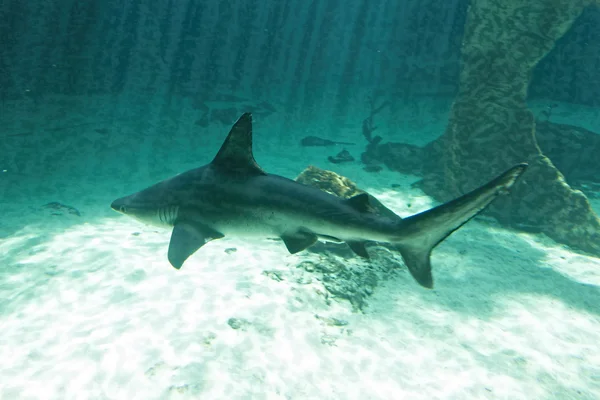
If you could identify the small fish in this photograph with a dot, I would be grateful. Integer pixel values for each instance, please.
(342, 157)
(317, 141)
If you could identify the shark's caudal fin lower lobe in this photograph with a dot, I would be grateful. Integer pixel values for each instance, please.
(420, 233)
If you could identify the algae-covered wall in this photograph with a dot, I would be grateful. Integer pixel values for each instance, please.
(491, 127)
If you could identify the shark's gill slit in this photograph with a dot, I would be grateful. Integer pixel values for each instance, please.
(167, 215)
(175, 214)
(162, 215)
(171, 211)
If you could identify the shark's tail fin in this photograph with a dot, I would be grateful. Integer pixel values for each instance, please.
(420, 233)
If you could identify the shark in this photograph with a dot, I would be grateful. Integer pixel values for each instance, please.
(233, 196)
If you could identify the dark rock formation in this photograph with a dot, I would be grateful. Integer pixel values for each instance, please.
(329, 182)
(355, 284)
(338, 185)
(573, 150)
(490, 127)
(402, 157)
(343, 156)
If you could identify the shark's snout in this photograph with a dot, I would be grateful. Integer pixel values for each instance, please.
(119, 205)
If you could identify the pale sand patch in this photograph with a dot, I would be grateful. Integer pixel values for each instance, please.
(97, 311)
(92, 309)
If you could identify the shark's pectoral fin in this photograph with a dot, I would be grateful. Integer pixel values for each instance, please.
(186, 239)
(298, 241)
(358, 248)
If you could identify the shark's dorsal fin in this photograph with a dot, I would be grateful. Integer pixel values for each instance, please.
(235, 155)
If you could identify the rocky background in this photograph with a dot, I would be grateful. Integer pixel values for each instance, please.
(491, 127)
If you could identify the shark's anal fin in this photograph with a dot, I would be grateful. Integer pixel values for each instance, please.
(298, 241)
(186, 239)
(358, 247)
(418, 262)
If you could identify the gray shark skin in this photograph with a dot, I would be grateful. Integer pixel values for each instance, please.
(233, 196)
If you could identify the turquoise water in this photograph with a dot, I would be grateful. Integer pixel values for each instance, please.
(100, 100)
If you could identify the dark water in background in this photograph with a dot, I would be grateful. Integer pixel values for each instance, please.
(322, 62)
(299, 55)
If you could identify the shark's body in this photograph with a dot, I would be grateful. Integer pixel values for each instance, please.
(233, 196)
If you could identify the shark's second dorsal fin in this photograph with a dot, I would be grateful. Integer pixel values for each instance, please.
(365, 203)
(360, 202)
(235, 154)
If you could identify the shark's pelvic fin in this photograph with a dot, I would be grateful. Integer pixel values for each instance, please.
(235, 155)
(358, 247)
(186, 239)
(299, 241)
(422, 232)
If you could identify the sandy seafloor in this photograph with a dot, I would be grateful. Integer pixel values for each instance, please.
(91, 309)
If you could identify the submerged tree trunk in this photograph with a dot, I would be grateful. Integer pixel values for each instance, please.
(491, 128)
